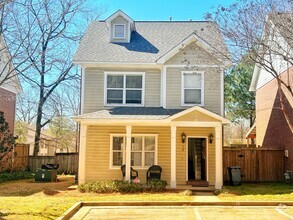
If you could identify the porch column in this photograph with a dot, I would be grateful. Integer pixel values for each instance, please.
(82, 154)
(173, 157)
(128, 153)
(219, 157)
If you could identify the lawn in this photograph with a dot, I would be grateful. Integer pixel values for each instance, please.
(25, 199)
(258, 192)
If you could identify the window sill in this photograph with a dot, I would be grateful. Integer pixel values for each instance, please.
(191, 105)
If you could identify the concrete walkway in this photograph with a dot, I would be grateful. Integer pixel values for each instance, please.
(205, 197)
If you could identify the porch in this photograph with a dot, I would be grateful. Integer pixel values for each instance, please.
(100, 159)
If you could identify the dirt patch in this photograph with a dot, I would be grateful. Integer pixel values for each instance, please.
(30, 187)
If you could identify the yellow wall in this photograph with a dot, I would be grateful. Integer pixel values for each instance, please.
(98, 152)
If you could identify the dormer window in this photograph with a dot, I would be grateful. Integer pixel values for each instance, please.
(119, 31)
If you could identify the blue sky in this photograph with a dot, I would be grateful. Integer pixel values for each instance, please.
(179, 10)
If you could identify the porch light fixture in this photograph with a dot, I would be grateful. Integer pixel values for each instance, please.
(211, 138)
(183, 137)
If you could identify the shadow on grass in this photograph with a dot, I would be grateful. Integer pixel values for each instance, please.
(29, 187)
(259, 189)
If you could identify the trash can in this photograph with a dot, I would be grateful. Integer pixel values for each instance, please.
(234, 175)
(47, 173)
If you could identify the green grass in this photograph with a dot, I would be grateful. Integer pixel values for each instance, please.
(258, 192)
(25, 199)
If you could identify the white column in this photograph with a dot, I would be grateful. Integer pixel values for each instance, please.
(82, 154)
(128, 153)
(219, 157)
(173, 157)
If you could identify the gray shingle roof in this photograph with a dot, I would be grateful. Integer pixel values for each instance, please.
(141, 113)
(149, 42)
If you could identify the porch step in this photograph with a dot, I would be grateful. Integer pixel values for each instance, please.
(199, 183)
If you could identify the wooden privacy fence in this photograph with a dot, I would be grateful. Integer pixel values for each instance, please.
(68, 162)
(257, 164)
(21, 156)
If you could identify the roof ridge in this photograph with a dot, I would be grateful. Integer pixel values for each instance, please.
(197, 21)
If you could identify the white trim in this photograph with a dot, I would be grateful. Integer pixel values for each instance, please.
(202, 88)
(222, 87)
(82, 90)
(124, 31)
(82, 154)
(124, 135)
(190, 39)
(125, 74)
(173, 157)
(207, 155)
(121, 13)
(219, 157)
(255, 77)
(164, 87)
(195, 66)
(202, 110)
(195, 124)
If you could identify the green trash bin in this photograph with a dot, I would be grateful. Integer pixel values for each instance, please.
(43, 175)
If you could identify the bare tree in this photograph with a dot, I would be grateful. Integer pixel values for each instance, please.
(263, 29)
(50, 31)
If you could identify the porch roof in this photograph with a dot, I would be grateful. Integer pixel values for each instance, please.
(154, 114)
(138, 113)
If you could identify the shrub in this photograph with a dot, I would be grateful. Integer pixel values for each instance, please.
(186, 193)
(111, 186)
(17, 175)
(156, 185)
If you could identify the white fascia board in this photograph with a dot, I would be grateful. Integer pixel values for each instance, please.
(162, 122)
(120, 13)
(191, 38)
(116, 64)
(255, 77)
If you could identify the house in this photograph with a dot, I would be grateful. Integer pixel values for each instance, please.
(9, 86)
(49, 145)
(152, 93)
(272, 129)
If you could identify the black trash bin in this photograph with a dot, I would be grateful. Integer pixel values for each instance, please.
(235, 175)
(47, 173)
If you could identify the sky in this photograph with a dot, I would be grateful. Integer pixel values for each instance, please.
(162, 10)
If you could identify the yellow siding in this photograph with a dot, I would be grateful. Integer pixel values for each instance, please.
(94, 88)
(182, 153)
(193, 54)
(98, 152)
(195, 116)
(212, 88)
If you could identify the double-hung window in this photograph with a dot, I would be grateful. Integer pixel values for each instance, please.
(143, 150)
(124, 89)
(119, 31)
(192, 88)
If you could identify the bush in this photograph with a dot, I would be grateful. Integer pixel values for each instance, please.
(156, 185)
(17, 175)
(111, 186)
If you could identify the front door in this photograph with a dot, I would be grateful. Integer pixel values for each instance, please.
(196, 159)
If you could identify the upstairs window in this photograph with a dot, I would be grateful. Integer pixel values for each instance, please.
(119, 31)
(192, 88)
(124, 89)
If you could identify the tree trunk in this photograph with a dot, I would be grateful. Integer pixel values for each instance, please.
(38, 129)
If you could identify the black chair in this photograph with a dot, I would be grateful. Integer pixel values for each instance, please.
(133, 173)
(154, 172)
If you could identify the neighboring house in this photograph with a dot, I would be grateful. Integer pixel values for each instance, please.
(272, 129)
(152, 93)
(10, 88)
(48, 143)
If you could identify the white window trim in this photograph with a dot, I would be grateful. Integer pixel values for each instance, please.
(111, 167)
(202, 87)
(124, 88)
(124, 31)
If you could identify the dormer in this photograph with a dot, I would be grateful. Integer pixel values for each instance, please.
(120, 26)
